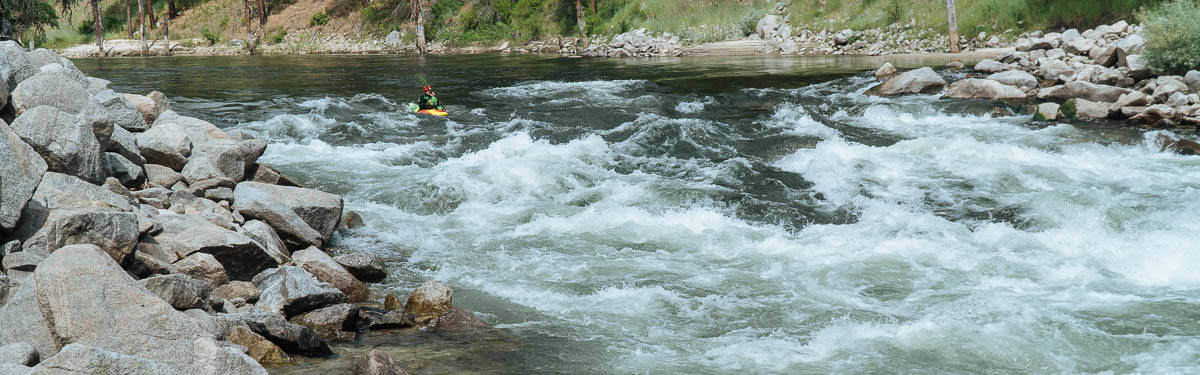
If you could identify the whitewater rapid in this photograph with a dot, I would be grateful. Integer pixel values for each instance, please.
(798, 230)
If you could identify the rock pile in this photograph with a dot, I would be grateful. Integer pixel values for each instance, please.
(1097, 74)
(636, 43)
(134, 239)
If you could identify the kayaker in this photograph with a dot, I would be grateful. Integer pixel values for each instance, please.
(429, 100)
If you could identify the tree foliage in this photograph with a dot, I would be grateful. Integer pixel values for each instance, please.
(1173, 36)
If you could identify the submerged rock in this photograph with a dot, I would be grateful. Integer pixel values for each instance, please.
(377, 363)
(262, 350)
(429, 300)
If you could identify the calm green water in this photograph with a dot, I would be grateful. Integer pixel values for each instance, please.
(726, 215)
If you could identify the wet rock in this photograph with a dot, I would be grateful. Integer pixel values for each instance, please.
(955, 65)
(107, 108)
(240, 256)
(202, 266)
(330, 322)
(457, 319)
(303, 217)
(352, 220)
(22, 169)
(127, 172)
(324, 268)
(919, 81)
(975, 88)
(886, 72)
(166, 144)
(1157, 114)
(181, 291)
(19, 353)
(51, 88)
(365, 267)
(1023, 80)
(391, 302)
(382, 319)
(83, 292)
(66, 143)
(262, 350)
(991, 66)
(1085, 90)
(377, 363)
(290, 337)
(162, 175)
(1178, 145)
(1046, 112)
(291, 291)
(428, 301)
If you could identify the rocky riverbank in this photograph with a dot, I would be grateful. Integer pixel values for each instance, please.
(134, 239)
(1095, 75)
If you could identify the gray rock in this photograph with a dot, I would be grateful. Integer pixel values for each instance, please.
(20, 264)
(200, 132)
(393, 39)
(1104, 56)
(240, 256)
(66, 210)
(377, 363)
(1080, 47)
(270, 241)
(53, 88)
(991, 66)
(331, 321)
(1177, 100)
(886, 71)
(162, 175)
(1088, 110)
(107, 108)
(1156, 114)
(60, 191)
(1133, 44)
(1133, 98)
(1167, 86)
(22, 169)
(114, 232)
(86, 360)
(975, 88)
(66, 143)
(919, 81)
(34, 329)
(1054, 70)
(20, 68)
(1023, 80)
(181, 291)
(128, 172)
(768, 26)
(380, 319)
(202, 266)
(83, 292)
(1192, 79)
(1085, 90)
(365, 267)
(291, 337)
(1046, 112)
(457, 319)
(290, 290)
(1042, 44)
(236, 289)
(324, 268)
(18, 353)
(1023, 45)
(144, 106)
(5, 285)
(125, 143)
(200, 168)
(96, 85)
(265, 174)
(1137, 66)
(161, 103)
(165, 144)
(304, 217)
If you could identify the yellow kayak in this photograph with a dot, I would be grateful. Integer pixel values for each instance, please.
(434, 112)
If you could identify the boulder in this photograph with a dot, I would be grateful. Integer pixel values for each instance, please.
(1104, 56)
(1023, 45)
(162, 175)
(144, 106)
(975, 88)
(25, 261)
(768, 26)
(1134, 44)
(391, 302)
(236, 289)
(267, 175)
(165, 144)
(1023, 80)
(262, 350)
(1192, 79)
(365, 267)
(20, 68)
(65, 142)
(112, 231)
(428, 301)
(1088, 110)
(124, 143)
(1085, 90)
(19, 353)
(200, 168)
(1167, 86)
(1178, 145)
(202, 266)
(352, 220)
(1157, 114)
(1046, 112)
(457, 319)
(240, 256)
(380, 319)
(266, 236)
(107, 108)
(290, 290)
(304, 217)
(991, 66)
(57, 89)
(87, 360)
(1054, 70)
(955, 65)
(96, 85)
(885, 72)
(200, 132)
(34, 329)
(331, 321)
(1137, 66)
(377, 363)
(324, 268)
(60, 191)
(83, 292)
(290, 337)
(181, 291)
(22, 169)
(919, 81)
(1133, 98)
(1177, 100)
(127, 172)
(161, 103)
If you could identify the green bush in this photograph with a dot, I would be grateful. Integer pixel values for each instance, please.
(1173, 36)
(210, 37)
(318, 19)
(276, 36)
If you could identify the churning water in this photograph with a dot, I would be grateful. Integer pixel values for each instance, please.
(717, 216)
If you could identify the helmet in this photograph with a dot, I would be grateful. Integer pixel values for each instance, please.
(427, 88)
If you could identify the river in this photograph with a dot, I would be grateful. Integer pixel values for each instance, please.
(725, 215)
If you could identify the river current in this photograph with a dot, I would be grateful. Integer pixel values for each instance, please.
(726, 215)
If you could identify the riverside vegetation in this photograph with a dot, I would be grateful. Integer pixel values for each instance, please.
(138, 240)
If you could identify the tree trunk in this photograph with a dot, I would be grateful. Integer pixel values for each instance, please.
(249, 32)
(420, 26)
(579, 18)
(98, 27)
(150, 12)
(142, 25)
(129, 18)
(170, 9)
(262, 15)
(593, 6)
(167, 35)
(952, 22)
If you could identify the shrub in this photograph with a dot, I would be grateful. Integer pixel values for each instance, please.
(1172, 36)
(210, 37)
(319, 19)
(276, 36)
